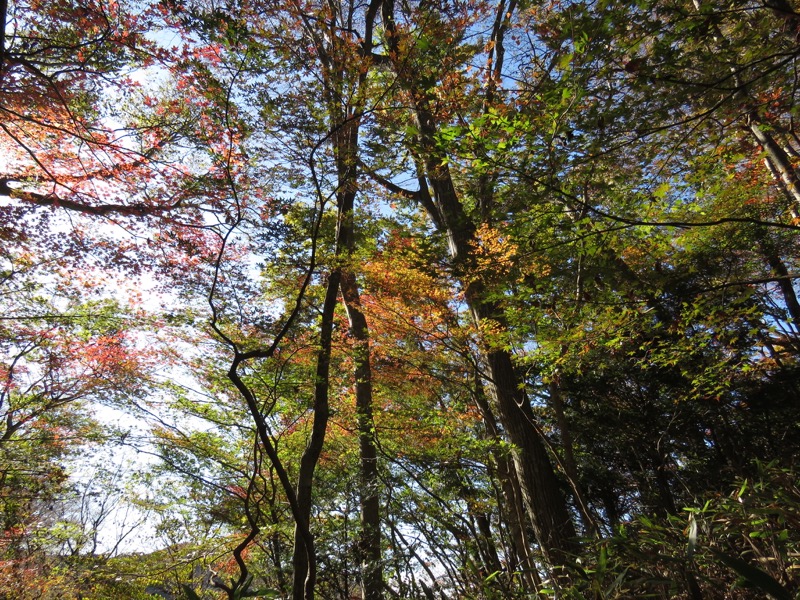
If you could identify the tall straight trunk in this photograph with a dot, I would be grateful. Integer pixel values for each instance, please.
(370, 536)
(3, 11)
(345, 146)
(511, 497)
(569, 463)
(784, 281)
(486, 546)
(545, 506)
(779, 163)
(344, 113)
(777, 159)
(538, 484)
(303, 557)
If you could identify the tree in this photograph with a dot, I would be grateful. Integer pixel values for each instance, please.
(522, 272)
(60, 354)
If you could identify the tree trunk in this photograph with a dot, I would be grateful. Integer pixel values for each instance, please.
(780, 165)
(511, 499)
(539, 486)
(370, 537)
(569, 464)
(345, 145)
(303, 558)
(784, 282)
(545, 506)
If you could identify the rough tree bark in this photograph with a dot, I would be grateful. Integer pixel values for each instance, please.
(514, 513)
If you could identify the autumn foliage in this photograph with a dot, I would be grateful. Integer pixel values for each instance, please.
(337, 299)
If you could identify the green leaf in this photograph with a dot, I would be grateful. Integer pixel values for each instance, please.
(754, 575)
(661, 190)
(264, 593)
(742, 490)
(492, 577)
(190, 593)
(617, 582)
(692, 536)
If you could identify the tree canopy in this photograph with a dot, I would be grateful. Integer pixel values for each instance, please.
(341, 299)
